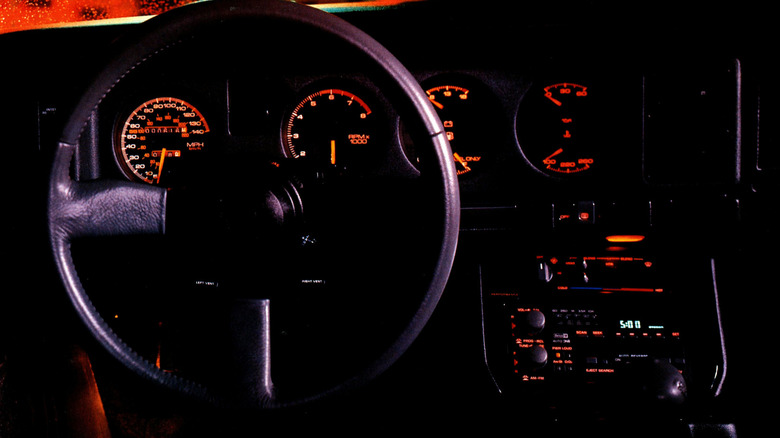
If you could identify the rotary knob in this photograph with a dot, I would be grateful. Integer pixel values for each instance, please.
(531, 358)
(529, 323)
(534, 321)
(537, 357)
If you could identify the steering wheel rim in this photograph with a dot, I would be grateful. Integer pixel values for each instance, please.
(108, 208)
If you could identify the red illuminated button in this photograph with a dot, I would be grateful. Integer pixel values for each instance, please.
(586, 212)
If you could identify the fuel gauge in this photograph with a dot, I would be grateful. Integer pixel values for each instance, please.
(465, 111)
(460, 119)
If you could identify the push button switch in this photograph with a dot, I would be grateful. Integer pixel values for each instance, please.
(582, 212)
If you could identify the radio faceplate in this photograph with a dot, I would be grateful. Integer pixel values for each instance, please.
(603, 326)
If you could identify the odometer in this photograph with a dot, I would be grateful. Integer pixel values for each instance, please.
(158, 138)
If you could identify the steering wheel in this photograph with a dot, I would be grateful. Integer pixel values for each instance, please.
(104, 208)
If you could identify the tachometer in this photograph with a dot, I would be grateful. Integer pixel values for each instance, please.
(329, 127)
(158, 138)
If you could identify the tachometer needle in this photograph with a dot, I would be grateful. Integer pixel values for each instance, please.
(333, 152)
(162, 162)
(435, 103)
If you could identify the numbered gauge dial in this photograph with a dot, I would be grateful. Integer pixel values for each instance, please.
(468, 115)
(329, 127)
(160, 139)
(461, 119)
(556, 127)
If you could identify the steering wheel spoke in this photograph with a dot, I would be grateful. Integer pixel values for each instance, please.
(249, 353)
(101, 208)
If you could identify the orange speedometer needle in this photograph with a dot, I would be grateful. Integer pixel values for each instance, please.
(333, 152)
(162, 162)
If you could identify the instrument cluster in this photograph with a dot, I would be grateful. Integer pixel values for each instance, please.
(193, 131)
(505, 128)
(166, 139)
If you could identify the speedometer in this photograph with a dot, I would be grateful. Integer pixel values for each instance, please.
(158, 138)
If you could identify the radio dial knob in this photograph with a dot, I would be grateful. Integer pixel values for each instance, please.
(534, 322)
(536, 357)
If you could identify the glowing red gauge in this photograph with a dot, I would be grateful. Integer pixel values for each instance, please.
(469, 113)
(460, 117)
(554, 129)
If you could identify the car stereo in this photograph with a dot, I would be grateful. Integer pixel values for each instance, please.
(584, 326)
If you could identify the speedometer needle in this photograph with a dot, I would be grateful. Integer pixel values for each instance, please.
(162, 162)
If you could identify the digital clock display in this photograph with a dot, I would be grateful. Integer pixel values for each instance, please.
(630, 324)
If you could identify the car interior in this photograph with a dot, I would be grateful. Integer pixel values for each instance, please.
(526, 218)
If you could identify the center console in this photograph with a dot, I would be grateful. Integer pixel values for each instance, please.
(610, 327)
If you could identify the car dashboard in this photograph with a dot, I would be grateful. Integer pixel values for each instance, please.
(616, 177)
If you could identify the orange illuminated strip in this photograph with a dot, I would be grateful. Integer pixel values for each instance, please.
(347, 6)
(625, 238)
(19, 15)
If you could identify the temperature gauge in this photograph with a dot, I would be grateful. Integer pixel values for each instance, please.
(555, 128)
